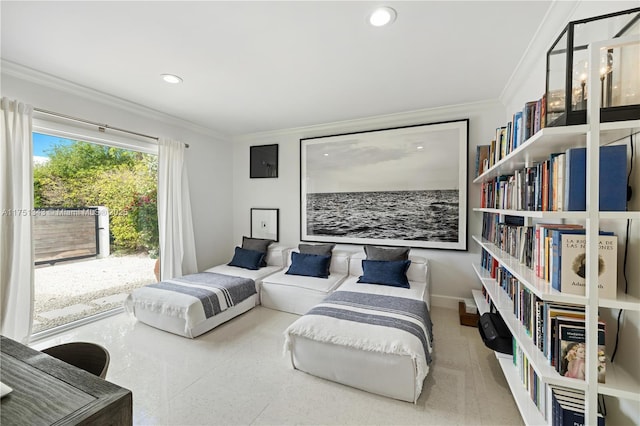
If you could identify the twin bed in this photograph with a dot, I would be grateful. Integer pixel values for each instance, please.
(372, 337)
(197, 303)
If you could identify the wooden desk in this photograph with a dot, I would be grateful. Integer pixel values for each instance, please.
(47, 391)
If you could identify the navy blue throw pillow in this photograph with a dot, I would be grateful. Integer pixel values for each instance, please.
(309, 265)
(392, 273)
(247, 259)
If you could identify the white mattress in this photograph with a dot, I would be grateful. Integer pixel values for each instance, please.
(297, 294)
(388, 374)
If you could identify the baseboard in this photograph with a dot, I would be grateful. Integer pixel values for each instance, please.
(445, 301)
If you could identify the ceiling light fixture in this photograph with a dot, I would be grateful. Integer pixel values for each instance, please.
(382, 16)
(171, 78)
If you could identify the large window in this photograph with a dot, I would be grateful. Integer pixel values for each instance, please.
(95, 226)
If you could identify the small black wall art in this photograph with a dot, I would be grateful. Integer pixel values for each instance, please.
(263, 161)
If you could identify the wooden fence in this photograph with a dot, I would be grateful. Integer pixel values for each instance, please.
(65, 234)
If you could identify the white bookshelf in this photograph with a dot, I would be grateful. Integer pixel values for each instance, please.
(619, 383)
(529, 412)
(543, 289)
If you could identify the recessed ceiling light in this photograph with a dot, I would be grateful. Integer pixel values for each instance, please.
(382, 16)
(420, 147)
(171, 78)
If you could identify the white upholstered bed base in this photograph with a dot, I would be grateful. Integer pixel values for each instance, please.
(388, 375)
(297, 294)
(178, 325)
(391, 375)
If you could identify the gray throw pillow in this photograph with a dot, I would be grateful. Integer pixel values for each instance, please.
(257, 244)
(386, 253)
(320, 249)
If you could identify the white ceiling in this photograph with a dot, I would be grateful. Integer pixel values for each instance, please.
(257, 66)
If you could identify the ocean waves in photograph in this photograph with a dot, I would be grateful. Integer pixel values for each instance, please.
(401, 215)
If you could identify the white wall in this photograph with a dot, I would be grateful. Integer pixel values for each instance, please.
(209, 168)
(452, 276)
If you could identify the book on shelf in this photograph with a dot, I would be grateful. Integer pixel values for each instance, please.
(492, 153)
(545, 186)
(573, 265)
(552, 193)
(543, 230)
(612, 179)
(532, 382)
(482, 159)
(517, 129)
(543, 111)
(552, 312)
(501, 142)
(528, 120)
(570, 347)
(538, 187)
(559, 185)
(556, 253)
(567, 407)
(531, 176)
(536, 117)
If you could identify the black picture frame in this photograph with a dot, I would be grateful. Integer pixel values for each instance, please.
(265, 223)
(403, 186)
(263, 161)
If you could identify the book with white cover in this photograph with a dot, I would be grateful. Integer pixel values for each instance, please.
(573, 267)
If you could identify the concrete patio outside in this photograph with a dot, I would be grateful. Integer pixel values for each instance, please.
(69, 291)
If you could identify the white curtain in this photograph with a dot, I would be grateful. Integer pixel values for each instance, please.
(16, 204)
(177, 244)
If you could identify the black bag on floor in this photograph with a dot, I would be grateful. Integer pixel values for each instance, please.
(495, 333)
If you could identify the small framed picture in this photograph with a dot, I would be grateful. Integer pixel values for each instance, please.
(264, 223)
(263, 162)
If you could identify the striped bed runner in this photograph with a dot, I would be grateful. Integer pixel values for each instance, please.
(216, 292)
(406, 314)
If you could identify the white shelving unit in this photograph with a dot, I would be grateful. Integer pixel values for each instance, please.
(619, 384)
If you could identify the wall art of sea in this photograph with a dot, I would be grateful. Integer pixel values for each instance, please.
(430, 215)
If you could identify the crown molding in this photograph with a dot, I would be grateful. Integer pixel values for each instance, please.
(399, 119)
(41, 78)
(555, 19)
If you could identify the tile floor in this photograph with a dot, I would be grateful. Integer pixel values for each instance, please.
(238, 374)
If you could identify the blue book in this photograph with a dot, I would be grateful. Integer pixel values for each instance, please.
(613, 179)
(569, 413)
(517, 129)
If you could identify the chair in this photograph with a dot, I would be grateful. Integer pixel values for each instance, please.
(90, 357)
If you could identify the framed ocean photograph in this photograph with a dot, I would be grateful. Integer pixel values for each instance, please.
(404, 186)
